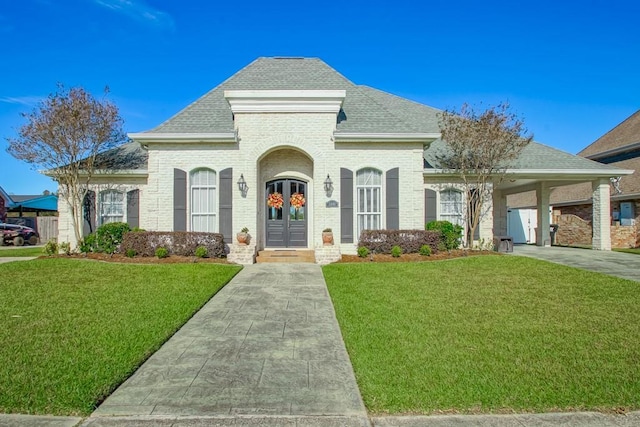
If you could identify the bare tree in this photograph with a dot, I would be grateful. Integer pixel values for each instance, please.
(64, 135)
(481, 147)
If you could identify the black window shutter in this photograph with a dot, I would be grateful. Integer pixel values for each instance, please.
(346, 206)
(89, 213)
(179, 200)
(393, 199)
(225, 212)
(430, 206)
(133, 208)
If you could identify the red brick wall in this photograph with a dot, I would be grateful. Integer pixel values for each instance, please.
(575, 226)
(624, 236)
(572, 230)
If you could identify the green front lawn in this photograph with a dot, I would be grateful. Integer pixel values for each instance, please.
(635, 251)
(73, 330)
(27, 251)
(488, 334)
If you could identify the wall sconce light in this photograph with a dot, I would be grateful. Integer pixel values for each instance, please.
(328, 186)
(242, 185)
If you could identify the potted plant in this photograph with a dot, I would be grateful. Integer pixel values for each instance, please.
(327, 237)
(243, 236)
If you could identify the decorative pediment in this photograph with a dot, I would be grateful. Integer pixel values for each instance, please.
(285, 101)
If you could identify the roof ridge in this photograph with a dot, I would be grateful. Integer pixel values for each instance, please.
(607, 133)
(207, 93)
(384, 107)
(401, 98)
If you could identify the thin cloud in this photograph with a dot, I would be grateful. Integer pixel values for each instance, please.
(29, 101)
(139, 11)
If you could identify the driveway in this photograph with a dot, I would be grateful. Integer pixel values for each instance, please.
(619, 264)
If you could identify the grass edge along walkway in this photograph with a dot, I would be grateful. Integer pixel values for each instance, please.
(25, 251)
(488, 334)
(74, 330)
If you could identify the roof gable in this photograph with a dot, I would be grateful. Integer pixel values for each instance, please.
(364, 109)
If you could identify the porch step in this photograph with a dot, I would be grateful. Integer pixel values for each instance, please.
(286, 255)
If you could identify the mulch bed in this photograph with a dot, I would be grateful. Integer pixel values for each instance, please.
(458, 253)
(175, 259)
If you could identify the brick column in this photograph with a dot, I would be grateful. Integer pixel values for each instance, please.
(543, 237)
(601, 215)
(499, 213)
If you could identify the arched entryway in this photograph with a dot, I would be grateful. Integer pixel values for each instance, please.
(286, 218)
(285, 198)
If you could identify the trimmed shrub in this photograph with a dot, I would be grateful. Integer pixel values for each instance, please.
(51, 248)
(181, 243)
(162, 252)
(363, 252)
(396, 251)
(201, 252)
(130, 253)
(65, 248)
(425, 250)
(88, 244)
(110, 235)
(409, 241)
(451, 233)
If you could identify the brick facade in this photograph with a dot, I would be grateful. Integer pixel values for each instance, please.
(575, 226)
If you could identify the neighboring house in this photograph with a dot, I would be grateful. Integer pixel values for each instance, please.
(5, 203)
(29, 210)
(19, 204)
(572, 206)
(288, 147)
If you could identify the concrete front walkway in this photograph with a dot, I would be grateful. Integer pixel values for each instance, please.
(267, 348)
(4, 260)
(619, 264)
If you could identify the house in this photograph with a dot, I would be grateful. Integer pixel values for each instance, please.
(288, 147)
(572, 204)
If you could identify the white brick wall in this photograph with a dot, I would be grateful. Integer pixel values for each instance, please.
(439, 184)
(284, 145)
(98, 184)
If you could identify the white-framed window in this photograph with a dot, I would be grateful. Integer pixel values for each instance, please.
(368, 199)
(203, 201)
(451, 206)
(111, 206)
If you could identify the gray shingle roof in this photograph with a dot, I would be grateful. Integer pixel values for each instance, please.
(129, 156)
(625, 133)
(364, 109)
(534, 156)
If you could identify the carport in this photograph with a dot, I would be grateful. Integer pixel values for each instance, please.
(543, 181)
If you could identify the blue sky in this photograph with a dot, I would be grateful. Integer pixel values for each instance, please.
(570, 69)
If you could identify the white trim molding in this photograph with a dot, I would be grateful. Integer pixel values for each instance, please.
(425, 138)
(588, 174)
(153, 137)
(285, 101)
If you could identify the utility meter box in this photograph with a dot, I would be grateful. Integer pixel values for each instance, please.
(627, 210)
(627, 214)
